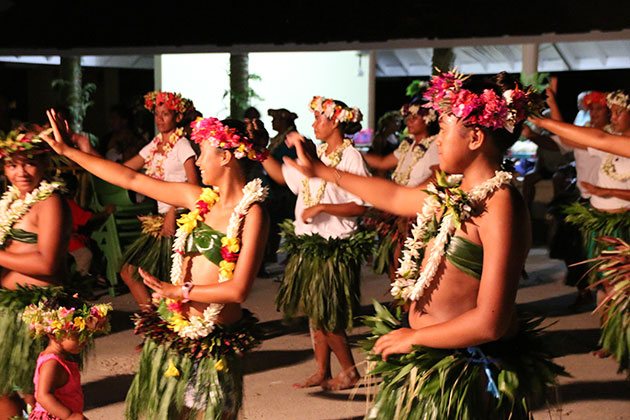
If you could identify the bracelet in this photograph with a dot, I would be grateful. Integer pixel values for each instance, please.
(338, 176)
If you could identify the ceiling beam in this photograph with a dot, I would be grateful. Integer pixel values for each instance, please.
(565, 55)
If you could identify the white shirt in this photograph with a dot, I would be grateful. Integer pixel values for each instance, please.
(622, 167)
(325, 224)
(586, 165)
(421, 169)
(173, 164)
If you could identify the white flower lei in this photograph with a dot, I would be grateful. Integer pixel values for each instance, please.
(335, 159)
(608, 168)
(201, 326)
(410, 282)
(402, 177)
(154, 164)
(13, 208)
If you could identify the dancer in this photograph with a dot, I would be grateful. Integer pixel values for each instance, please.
(415, 160)
(35, 227)
(169, 157)
(69, 325)
(463, 332)
(196, 331)
(325, 249)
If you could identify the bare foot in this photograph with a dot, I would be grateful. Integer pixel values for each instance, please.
(344, 380)
(313, 380)
(601, 353)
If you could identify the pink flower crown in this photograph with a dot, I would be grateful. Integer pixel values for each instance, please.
(224, 137)
(84, 320)
(332, 111)
(487, 109)
(173, 101)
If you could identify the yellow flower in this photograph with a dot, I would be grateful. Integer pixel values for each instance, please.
(219, 365)
(79, 323)
(209, 195)
(56, 325)
(171, 371)
(177, 322)
(231, 244)
(226, 269)
(188, 221)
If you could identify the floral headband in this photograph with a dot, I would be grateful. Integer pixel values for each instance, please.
(173, 101)
(224, 137)
(487, 109)
(332, 111)
(24, 140)
(428, 115)
(619, 98)
(594, 97)
(83, 320)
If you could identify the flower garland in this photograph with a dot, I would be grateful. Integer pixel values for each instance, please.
(401, 177)
(592, 98)
(619, 98)
(224, 137)
(332, 111)
(487, 109)
(416, 109)
(455, 206)
(154, 163)
(334, 159)
(13, 208)
(195, 326)
(608, 168)
(85, 321)
(24, 139)
(173, 101)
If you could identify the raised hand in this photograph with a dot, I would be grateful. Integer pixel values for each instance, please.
(61, 142)
(306, 163)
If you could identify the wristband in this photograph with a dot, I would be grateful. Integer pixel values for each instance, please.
(186, 287)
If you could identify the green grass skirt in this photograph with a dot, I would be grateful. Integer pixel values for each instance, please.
(391, 232)
(594, 224)
(322, 277)
(18, 349)
(181, 378)
(151, 253)
(453, 384)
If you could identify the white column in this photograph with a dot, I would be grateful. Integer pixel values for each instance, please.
(530, 59)
(371, 89)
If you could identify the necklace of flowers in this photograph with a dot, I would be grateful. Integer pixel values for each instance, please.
(195, 326)
(608, 168)
(335, 159)
(13, 208)
(154, 163)
(455, 207)
(402, 177)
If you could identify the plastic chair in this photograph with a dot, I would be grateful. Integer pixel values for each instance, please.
(121, 228)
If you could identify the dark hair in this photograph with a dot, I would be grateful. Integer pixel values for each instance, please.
(251, 113)
(255, 131)
(499, 83)
(348, 128)
(434, 126)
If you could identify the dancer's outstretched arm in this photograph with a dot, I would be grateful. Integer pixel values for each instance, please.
(587, 136)
(179, 194)
(379, 192)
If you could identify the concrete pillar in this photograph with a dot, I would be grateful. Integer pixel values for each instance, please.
(371, 90)
(529, 69)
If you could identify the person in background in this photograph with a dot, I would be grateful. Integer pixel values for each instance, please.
(385, 140)
(281, 201)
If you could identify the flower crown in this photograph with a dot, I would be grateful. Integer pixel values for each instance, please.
(173, 101)
(619, 98)
(23, 139)
(83, 320)
(224, 137)
(428, 115)
(594, 97)
(487, 109)
(332, 111)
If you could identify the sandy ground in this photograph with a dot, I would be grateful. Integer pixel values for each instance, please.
(594, 391)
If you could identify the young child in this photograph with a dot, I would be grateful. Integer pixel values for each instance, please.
(69, 325)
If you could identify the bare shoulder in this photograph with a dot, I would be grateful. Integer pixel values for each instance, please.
(257, 215)
(54, 203)
(506, 206)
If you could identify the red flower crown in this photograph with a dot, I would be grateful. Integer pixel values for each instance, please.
(487, 109)
(173, 101)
